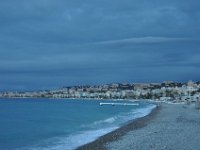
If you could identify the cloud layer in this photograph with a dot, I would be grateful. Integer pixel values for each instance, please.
(46, 44)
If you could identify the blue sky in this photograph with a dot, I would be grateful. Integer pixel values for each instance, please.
(46, 44)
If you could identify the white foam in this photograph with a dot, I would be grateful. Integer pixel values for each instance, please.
(100, 123)
(138, 113)
(75, 140)
(87, 137)
(108, 120)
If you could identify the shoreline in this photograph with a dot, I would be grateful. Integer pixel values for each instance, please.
(97, 99)
(53, 98)
(175, 127)
(168, 127)
(100, 143)
(77, 99)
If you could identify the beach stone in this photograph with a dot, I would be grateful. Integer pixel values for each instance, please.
(174, 128)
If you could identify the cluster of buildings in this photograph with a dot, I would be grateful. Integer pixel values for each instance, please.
(168, 90)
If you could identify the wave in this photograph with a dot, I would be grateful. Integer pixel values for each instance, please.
(138, 113)
(121, 118)
(92, 131)
(101, 123)
(72, 141)
(108, 120)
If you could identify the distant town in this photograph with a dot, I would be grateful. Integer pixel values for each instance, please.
(166, 91)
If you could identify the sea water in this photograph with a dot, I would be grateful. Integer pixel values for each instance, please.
(50, 124)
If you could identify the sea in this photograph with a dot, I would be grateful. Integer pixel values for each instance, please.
(62, 124)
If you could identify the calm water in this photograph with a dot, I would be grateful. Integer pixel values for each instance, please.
(41, 124)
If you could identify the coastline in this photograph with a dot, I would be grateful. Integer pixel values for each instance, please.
(166, 128)
(53, 98)
(166, 125)
(123, 122)
(100, 143)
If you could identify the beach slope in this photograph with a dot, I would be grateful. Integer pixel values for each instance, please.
(175, 127)
(170, 127)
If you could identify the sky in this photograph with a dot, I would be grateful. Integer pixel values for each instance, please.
(47, 44)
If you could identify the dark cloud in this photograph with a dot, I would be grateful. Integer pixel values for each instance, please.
(48, 44)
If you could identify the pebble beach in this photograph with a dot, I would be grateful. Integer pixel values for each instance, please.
(168, 127)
